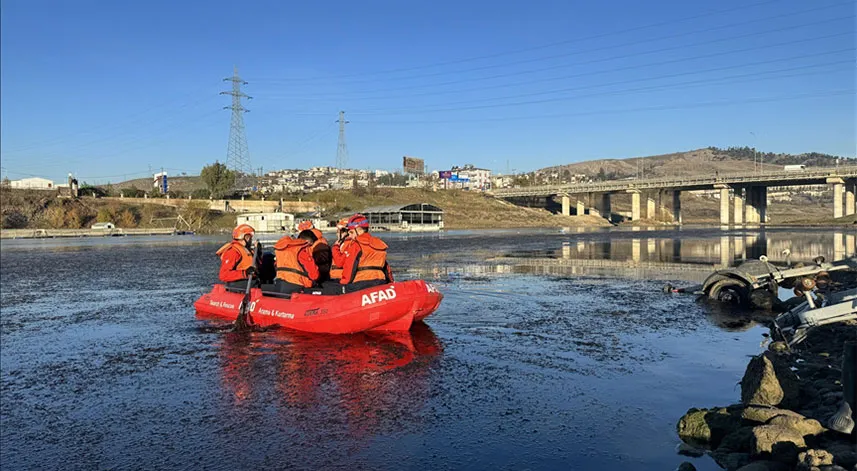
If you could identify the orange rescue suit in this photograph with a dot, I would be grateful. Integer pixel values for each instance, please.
(294, 262)
(338, 250)
(365, 260)
(235, 259)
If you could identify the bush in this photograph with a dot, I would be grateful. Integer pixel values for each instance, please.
(127, 219)
(55, 217)
(200, 194)
(105, 214)
(14, 220)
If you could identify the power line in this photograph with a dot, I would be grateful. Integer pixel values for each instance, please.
(608, 92)
(534, 48)
(607, 59)
(630, 110)
(624, 46)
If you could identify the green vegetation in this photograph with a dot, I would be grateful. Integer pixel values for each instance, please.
(810, 159)
(217, 178)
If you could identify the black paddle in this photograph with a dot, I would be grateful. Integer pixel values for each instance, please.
(243, 323)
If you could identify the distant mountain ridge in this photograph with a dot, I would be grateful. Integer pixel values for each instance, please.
(695, 162)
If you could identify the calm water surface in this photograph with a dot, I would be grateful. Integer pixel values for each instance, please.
(551, 350)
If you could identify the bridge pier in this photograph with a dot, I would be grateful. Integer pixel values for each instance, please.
(850, 189)
(677, 206)
(650, 207)
(581, 206)
(724, 204)
(838, 190)
(635, 205)
(739, 205)
(566, 205)
(757, 205)
(604, 206)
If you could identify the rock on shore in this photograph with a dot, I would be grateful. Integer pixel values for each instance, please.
(786, 399)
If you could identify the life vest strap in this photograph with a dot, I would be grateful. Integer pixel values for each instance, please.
(371, 268)
(293, 270)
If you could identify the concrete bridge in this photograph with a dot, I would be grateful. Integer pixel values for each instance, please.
(749, 193)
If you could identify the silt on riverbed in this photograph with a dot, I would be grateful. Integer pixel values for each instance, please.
(564, 364)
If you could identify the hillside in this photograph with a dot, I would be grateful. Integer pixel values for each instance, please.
(182, 184)
(695, 162)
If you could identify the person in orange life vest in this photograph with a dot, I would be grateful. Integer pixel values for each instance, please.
(365, 258)
(296, 269)
(321, 251)
(332, 286)
(236, 258)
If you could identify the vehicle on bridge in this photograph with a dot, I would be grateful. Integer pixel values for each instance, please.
(794, 168)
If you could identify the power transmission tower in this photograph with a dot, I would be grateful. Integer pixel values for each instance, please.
(237, 155)
(342, 149)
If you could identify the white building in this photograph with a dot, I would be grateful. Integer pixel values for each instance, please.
(268, 222)
(34, 183)
(471, 178)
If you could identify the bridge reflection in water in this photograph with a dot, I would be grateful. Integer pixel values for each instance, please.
(655, 256)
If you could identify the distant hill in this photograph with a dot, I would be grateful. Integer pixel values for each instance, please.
(183, 184)
(695, 162)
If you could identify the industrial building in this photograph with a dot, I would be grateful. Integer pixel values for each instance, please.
(34, 183)
(268, 222)
(416, 217)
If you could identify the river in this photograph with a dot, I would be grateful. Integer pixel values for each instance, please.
(552, 349)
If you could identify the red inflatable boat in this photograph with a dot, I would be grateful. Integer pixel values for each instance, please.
(390, 307)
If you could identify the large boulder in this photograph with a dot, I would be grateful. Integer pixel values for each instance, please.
(762, 415)
(768, 381)
(707, 427)
(686, 466)
(777, 442)
(809, 459)
(805, 427)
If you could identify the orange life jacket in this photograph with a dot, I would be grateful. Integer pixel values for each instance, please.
(336, 270)
(372, 264)
(289, 268)
(246, 257)
(319, 236)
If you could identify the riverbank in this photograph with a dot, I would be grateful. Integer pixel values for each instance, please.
(784, 420)
(32, 209)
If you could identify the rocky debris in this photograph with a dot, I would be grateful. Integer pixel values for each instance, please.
(768, 381)
(809, 459)
(686, 466)
(777, 442)
(707, 427)
(786, 396)
(763, 414)
(727, 460)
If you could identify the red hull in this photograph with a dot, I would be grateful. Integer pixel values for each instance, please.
(391, 307)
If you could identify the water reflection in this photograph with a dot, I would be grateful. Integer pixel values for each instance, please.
(371, 383)
(661, 255)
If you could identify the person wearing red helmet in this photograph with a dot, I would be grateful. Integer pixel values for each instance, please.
(321, 251)
(365, 258)
(296, 269)
(332, 285)
(236, 257)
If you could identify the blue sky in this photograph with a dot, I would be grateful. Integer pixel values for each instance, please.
(108, 89)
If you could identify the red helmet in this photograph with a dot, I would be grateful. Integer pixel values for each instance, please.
(242, 230)
(304, 226)
(358, 220)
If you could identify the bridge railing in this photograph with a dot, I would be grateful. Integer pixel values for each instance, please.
(667, 182)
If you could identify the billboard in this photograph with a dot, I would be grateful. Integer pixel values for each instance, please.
(413, 165)
(444, 174)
